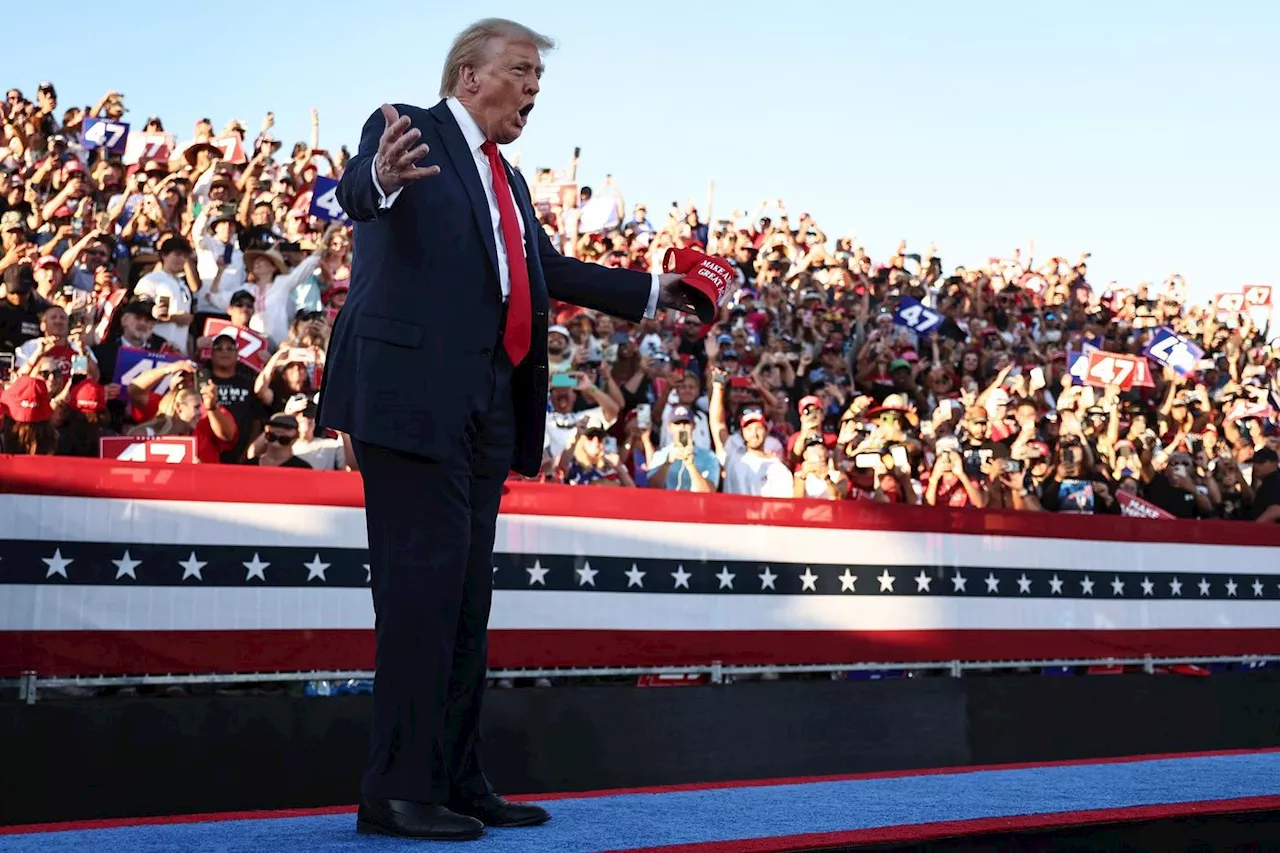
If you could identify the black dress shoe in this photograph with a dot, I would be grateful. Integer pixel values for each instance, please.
(495, 811)
(415, 820)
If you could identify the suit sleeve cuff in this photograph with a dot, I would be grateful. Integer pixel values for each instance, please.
(384, 201)
(651, 310)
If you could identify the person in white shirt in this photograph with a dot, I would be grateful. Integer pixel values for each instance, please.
(172, 296)
(688, 393)
(749, 467)
(598, 214)
(274, 284)
(219, 249)
(563, 421)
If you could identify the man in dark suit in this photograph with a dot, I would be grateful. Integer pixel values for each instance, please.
(437, 369)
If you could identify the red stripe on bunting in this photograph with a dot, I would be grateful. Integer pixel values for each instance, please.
(242, 484)
(150, 652)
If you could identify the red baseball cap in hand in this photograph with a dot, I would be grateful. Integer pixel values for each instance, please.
(706, 281)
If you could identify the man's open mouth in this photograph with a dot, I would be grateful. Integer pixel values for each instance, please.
(525, 110)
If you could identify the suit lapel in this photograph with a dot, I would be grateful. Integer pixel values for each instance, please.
(465, 167)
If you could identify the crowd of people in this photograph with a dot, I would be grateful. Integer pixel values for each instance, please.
(198, 264)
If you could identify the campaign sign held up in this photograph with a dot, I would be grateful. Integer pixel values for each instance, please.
(917, 317)
(133, 362)
(324, 201)
(1172, 350)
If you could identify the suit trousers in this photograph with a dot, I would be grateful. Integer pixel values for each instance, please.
(431, 525)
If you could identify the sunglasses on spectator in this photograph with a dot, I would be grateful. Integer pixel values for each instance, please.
(282, 440)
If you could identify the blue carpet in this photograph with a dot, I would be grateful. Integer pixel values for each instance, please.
(636, 821)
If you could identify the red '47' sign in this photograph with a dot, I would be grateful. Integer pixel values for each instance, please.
(252, 347)
(1257, 295)
(1119, 369)
(1228, 303)
(165, 449)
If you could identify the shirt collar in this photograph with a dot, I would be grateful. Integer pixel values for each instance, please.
(471, 131)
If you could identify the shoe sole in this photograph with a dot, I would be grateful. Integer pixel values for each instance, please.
(364, 827)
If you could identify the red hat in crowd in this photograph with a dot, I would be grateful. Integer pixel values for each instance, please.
(753, 416)
(27, 400)
(810, 400)
(89, 397)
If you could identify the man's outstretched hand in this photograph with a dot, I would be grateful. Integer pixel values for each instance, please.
(397, 153)
(671, 294)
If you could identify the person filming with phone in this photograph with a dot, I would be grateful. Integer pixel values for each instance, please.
(681, 466)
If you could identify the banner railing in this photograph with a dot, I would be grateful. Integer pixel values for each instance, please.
(112, 570)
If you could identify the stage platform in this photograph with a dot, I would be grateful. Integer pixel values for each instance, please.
(778, 815)
(1129, 762)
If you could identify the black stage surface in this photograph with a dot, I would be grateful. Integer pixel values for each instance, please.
(76, 758)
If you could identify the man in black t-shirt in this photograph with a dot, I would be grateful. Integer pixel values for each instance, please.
(1175, 492)
(235, 393)
(1266, 486)
(19, 317)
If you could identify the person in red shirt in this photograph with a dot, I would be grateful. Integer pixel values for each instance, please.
(184, 412)
(811, 415)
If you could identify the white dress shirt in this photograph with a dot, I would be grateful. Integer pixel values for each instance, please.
(475, 138)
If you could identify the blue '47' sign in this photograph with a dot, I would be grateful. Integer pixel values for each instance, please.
(916, 317)
(105, 133)
(324, 201)
(1172, 350)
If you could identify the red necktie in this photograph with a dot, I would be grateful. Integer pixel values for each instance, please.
(519, 331)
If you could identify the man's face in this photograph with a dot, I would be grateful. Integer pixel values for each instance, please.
(500, 93)
(816, 454)
(280, 439)
(557, 344)
(47, 369)
(174, 262)
(682, 432)
(240, 312)
(54, 322)
(754, 435)
(224, 354)
(562, 399)
(137, 329)
(48, 278)
(95, 256)
(811, 417)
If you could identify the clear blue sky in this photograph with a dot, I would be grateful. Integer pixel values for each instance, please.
(1144, 132)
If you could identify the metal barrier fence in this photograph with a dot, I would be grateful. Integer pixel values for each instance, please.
(30, 683)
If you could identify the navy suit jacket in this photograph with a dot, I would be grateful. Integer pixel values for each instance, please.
(411, 352)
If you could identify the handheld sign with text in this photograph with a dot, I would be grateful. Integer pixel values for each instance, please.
(917, 317)
(251, 346)
(1228, 303)
(1113, 368)
(1172, 350)
(147, 146)
(164, 449)
(1135, 507)
(133, 362)
(324, 201)
(105, 133)
(232, 149)
(1257, 295)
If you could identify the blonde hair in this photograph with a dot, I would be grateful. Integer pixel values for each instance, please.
(471, 47)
